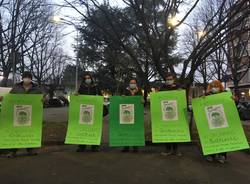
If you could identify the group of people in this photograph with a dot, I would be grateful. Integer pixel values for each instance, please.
(88, 87)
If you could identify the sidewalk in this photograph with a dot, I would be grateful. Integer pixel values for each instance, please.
(62, 165)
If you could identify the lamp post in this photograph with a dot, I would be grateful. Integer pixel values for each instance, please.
(173, 22)
(59, 20)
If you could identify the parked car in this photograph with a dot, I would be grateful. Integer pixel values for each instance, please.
(56, 102)
(64, 100)
(244, 110)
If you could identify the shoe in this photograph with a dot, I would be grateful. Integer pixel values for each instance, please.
(32, 153)
(135, 150)
(11, 155)
(80, 149)
(209, 159)
(94, 149)
(166, 153)
(125, 149)
(179, 154)
(221, 159)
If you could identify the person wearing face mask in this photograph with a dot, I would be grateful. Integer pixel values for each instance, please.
(216, 87)
(26, 86)
(132, 90)
(88, 87)
(170, 84)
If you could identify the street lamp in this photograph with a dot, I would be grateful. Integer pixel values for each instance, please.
(56, 19)
(200, 34)
(173, 22)
(60, 20)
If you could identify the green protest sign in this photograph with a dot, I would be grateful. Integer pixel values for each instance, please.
(85, 120)
(169, 116)
(126, 121)
(21, 121)
(218, 124)
(3, 92)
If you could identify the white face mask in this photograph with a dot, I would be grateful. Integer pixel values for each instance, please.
(132, 86)
(215, 90)
(27, 81)
(88, 81)
(169, 82)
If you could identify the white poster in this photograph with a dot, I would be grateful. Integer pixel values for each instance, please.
(4, 90)
(22, 115)
(127, 114)
(216, 116)
(86, 114)
(169, 110)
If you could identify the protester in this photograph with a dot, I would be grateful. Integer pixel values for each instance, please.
(26, 86)
(216, 87)
(132, 90)
(170, 84)
(88, 87)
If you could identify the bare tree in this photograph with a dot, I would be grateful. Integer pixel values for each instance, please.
(215, 18)
(24, 25)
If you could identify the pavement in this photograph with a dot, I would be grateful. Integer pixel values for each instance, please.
(63, 165)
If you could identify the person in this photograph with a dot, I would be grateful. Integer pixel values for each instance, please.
(132, 90)
(216, 87)
(26, 86)
(170, 84)
(88, 87)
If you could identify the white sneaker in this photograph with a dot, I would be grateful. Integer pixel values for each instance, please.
(221, 159)
(209, 158)
(166, 153)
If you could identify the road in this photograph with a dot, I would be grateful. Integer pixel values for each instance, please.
(62, 165)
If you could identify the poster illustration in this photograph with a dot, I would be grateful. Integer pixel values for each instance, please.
(22, 115)
(86, 114)
(216, 116)
(169, 110)
(127, 112)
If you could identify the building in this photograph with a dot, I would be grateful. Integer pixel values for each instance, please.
(239, 53)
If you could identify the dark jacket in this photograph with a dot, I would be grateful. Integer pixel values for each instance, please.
(169, 88)
(88, 89)
(19, 89)
(130, 92)
(91, 89)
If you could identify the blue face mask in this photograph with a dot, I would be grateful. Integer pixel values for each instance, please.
(169, 82)
(215, 90)
(27, 80)
(132, 86)
(88, 81)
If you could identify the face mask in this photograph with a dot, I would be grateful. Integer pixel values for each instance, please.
(132, 86)
(26, 80)
(215, 90)
(88, 81)
(169, 82)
